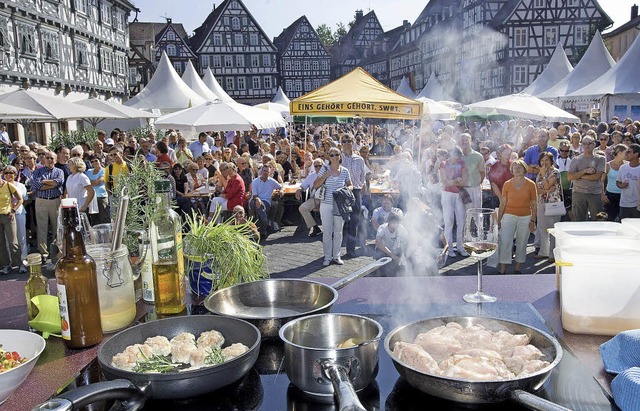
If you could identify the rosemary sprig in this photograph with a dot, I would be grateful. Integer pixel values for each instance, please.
(156, 363)
(214, 356)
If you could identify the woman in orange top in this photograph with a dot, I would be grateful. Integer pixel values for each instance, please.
(517, 215)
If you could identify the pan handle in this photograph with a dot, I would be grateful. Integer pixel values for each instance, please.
(361, 272)
(347, 398)
(534, 402)
(109, 390)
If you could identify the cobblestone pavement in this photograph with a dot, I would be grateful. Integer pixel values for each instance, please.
(291, 254)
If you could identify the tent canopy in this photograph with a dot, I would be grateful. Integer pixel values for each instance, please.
(53, 108)
(213, 85)
(523, 105)
(595, 62)
(556, 70)
(437, 111)
(165, 91)
(281, 98)
(434, 90)
(357, 94)
(193, 80)
(405, 88)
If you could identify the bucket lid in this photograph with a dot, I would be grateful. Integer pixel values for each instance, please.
(69, 202)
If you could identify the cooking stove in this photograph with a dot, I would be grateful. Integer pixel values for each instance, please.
(266, 386)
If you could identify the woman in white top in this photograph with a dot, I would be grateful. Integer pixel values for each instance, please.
(9, 175)
(333, 177)
(79, 186)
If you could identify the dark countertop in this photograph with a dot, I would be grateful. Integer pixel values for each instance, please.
(405, 298)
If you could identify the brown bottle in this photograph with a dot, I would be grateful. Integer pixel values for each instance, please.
(77, 284)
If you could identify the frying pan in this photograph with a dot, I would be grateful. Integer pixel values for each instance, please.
(466, 391)
(269, 304)
(138, 386)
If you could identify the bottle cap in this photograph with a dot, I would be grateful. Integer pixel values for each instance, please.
(162, 186)
(69, 202)
(34, 259)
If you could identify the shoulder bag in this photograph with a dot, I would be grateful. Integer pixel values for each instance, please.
(556, 208)
(320, 191)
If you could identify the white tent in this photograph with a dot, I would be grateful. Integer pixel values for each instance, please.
(434, 90)
(115, 109)
(618, 88)
(405, 88)
(12, 112)
(165, 91)
(556, 70)
(437, 111)
(55, 108)
(281, 98)
(595, 62)
(220, 115)
(193, 80)
(523, 105)
(277, 107)
(211, 82)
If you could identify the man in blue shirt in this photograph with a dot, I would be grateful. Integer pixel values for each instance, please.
(532, 155)
(261, 192)
(48, 183)
(199, 147)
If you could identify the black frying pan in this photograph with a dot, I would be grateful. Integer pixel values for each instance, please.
(138, 386)
(269, 304)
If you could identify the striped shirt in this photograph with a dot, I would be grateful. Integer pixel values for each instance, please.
(44, 173)
(333, 183)
(357, 169)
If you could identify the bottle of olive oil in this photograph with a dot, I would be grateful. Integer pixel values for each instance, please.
(168, 280)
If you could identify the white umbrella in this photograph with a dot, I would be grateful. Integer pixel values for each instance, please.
(524, 106)
(8, 111)
(437, 111)
(116, 109)
(277, 107)
(55, 108)
(219, 115)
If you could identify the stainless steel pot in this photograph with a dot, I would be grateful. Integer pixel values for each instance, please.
(465, 391)
(316, 365)
(269, 304)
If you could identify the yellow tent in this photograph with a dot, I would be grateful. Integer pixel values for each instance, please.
(356, 94)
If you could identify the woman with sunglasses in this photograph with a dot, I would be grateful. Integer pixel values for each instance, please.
(96, 176)
(20, 219)
(79, 186)
(611, 197)
(333, 177)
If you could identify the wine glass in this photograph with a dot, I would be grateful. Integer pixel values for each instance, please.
(481, 241)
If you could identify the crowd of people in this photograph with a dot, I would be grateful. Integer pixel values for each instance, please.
(524, 170)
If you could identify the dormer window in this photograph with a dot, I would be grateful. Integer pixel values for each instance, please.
(171, 35)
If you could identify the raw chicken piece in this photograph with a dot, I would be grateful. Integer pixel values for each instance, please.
(181, 351)
(184, 337)
(160, 345)
(140, 352)
(475, 368)
(124, 361)
(527, 352)
(476, 337)
(197, 357)
(415, 356)
(506, 341)
(234, 350)
(480, 352)
(532, 366)
(437, 345)
(210, 338)
(514, 364)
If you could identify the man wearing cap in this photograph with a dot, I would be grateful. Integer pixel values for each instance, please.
(586, 173)
(48, 184)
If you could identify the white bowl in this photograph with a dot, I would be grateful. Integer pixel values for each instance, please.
(27, 344)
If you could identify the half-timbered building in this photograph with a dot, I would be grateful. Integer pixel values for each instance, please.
(619, 40)
(241, 56)
(376, 58)
(65, 46)
(148, 41)
(350, 51)
(303, 62)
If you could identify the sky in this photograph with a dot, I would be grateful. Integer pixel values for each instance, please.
(275, 15)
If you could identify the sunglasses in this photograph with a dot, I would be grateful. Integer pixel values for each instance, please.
(604, 139)
(564, 151)
(317, 166)
(9, 173)
(76, 155)
(334, 155)
(95, 161)
(50, 158)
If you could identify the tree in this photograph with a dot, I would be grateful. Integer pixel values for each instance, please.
(340, 32)
(326, 35)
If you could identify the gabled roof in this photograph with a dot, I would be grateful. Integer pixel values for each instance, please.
(346, 48)
(558, 67)
(510, 7)
(390, 38)
(201, 33)
(595, 62)
(631, 24)
(145, 31)
(283, 41)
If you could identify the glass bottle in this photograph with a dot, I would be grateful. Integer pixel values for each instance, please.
(77, 284)
(146, 274)
(168, 282)
(36, 284)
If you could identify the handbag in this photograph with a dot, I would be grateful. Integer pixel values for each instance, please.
(465, 196)
(555, 208)
(319, 194)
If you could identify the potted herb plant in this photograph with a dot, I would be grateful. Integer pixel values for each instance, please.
(218, 255)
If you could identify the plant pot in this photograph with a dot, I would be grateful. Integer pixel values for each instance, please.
(201, 277)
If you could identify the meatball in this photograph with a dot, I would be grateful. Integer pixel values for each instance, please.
(234, 350)
(184, 337)
(211, 338)
(181, 351)
(160, 345)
